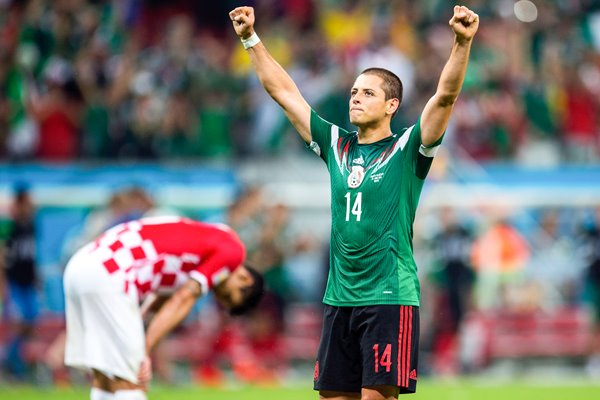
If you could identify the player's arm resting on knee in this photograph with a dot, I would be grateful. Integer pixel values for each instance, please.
(175, 309)
(276, 81)
(435, 116)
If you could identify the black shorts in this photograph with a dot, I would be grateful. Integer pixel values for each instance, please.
(368, 346)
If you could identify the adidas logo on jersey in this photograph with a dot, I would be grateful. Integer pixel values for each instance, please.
(359, 160)
(413, 375)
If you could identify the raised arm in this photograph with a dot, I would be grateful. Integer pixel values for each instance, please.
(272, 76)
(436, 114)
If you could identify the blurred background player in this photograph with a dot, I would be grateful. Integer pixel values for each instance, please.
(166, 262)
(454, 278)
(371, 318)
(20, 280)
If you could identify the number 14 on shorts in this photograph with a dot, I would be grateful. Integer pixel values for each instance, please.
(383, 359)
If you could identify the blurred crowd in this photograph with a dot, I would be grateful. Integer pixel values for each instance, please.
(158, 79)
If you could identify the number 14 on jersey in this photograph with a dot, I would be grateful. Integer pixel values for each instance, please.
(354, 208)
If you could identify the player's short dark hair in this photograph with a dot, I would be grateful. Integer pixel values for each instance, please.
(392, 85)
(252, 293)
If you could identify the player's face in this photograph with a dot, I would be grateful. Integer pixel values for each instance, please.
(231, 292)
(367, 100)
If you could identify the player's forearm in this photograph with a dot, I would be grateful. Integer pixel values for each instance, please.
(276, 81)
(152, 304)
(453, 74)
(170, 315)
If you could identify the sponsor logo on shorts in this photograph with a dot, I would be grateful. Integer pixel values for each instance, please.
(413, 375)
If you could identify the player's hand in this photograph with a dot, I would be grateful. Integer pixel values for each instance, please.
(145, 372)
(464, 23)
(243, 21)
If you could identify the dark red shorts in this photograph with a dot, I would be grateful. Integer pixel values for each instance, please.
(368, 346)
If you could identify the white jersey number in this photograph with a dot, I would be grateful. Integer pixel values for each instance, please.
(355, 208)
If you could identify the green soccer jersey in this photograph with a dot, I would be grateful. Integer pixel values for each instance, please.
(375, 191)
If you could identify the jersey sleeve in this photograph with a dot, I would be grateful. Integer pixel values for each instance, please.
(420, 156)
(320, 131)
(216, 267)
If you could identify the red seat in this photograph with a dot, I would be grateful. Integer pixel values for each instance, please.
(46, 330)
(303, 331)
(558, 333)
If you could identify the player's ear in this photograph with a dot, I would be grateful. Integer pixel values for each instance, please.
(392, 105)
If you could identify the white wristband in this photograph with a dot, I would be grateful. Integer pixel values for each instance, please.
(251, 41)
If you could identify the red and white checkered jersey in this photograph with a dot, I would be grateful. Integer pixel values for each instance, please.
(160, 254)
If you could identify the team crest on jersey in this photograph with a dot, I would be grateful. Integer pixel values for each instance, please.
(356, 176)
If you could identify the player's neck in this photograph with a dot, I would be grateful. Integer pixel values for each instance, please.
(373, 133)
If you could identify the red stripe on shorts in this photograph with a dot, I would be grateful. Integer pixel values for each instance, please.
(404, 345)
(405, 340)
(400, 332)
(408, 344)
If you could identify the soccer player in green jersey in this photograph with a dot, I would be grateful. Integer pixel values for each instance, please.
(370, 333)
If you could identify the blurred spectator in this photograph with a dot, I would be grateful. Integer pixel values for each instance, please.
(142, 205)
(499, 255)
(57, 112)
(179, 125)
(554, 261)
(245, 215)
(581, 122)
(454, 278)
(142, 131)
(4, 104)
(381, 52)
(105, 217)
(19, 277)
(167, 81)
(269, 258)
(306, 267)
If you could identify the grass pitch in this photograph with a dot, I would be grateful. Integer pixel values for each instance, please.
(427, 390)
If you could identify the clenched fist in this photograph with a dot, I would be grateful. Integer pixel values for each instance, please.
(464, 23)
(243, 21)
